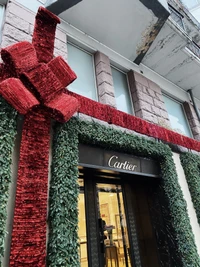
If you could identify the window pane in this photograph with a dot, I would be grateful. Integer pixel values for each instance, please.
(82, 63)
(115, 233)
(176, 116)
(32, 5)
(176, 17)
(121, 91)
(1, 16)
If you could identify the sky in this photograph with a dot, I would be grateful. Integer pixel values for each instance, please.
(194, 7)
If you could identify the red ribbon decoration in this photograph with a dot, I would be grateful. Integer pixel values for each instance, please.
(34, 84)
(117, 117)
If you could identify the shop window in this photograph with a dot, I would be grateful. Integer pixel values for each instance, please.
(82, 63)
(177, 116)
(122, 92)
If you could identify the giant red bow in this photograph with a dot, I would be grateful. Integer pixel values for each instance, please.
(33, 83)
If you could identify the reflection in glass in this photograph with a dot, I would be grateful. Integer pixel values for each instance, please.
(82, 64)
(121, 88)
(177, 117)
(111, 211)
(82, 227)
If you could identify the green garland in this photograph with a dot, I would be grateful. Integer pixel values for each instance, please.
(7, 135)
(64, 191)
(63, 245)
(191, 166)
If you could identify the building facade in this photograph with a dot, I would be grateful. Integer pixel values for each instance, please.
(123, 183)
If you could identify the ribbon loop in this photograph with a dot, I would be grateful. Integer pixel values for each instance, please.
(17, 95)
(62, 71)
(63, 107)
(20, 57)
(45, 82)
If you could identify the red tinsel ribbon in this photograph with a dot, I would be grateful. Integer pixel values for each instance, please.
(113, 116)
(33, 83)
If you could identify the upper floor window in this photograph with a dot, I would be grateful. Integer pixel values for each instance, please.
(176, 16)
(122, 92)
(194, 48)
(1, 15)
(82, 63)
(177, 116)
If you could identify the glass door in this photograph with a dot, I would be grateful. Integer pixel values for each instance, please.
(103, 233)
(114, 241)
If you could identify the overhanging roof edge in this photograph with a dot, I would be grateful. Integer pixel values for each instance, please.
(162, 14)
(59, 6)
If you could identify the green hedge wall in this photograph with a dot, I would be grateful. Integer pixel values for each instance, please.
(63, 197)
(7, 135)
(63, 239)
(191, 166)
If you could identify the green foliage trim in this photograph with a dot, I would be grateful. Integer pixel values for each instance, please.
(63, 198)
(191, 166)
(7, 136)
(63, 239)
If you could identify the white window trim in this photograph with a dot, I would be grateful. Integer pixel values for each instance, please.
(129, 90)
(93, 65)
(180, 103)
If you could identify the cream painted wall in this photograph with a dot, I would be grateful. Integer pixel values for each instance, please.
(187, 196)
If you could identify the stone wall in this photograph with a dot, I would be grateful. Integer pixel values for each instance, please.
(18, 26)
(147, 99)
(104, 80)
(193, 120)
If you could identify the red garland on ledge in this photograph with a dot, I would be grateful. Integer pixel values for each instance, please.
(33, 83)
(113, 116)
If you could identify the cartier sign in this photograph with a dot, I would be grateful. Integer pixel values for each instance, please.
(114, 162)
(95, 157)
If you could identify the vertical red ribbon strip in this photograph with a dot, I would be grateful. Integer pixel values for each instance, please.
(29, 228)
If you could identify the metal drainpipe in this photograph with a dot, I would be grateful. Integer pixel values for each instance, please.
(194, 104)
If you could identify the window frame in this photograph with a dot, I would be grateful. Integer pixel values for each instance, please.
(93, 65)
(185, 114)
(2, 20)
(194, 48)
(129, 89)
(178, 14)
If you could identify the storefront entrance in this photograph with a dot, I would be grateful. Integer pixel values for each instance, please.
(115, 219)
(115, 225)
